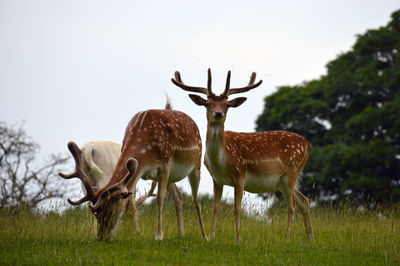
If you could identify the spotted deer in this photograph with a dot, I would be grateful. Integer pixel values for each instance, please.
(161, 145)
(99, 159)
(255, 162)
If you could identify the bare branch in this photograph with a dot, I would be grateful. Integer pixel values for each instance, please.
(20, 184)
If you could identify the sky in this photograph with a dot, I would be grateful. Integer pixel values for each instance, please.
(79, 70)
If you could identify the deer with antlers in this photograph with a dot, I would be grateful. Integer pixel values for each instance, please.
(254, 162)
(161, 145)
(99, 159)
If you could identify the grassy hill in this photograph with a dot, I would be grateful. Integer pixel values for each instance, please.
(343, 236)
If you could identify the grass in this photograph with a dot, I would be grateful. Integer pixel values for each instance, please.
(343, 236)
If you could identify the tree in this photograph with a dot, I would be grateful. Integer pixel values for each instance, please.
(351, 116)
(20, 184)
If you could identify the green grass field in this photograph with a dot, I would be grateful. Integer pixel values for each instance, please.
(343, 236)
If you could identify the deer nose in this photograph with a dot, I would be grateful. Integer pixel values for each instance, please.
(218, 114)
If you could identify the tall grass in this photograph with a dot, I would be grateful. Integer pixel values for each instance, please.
(343, 236)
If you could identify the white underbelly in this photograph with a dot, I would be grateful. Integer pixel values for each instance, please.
(222, 179)
(258, 184)
(179, 171)
(176, 172)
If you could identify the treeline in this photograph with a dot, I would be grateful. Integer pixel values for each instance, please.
(351, 116)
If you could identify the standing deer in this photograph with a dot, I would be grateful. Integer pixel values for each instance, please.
(162, 145)
(99, 160)
(255, 162)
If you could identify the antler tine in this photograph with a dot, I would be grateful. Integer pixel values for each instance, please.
(252, 78)
(131, 165)
(209, 80)
(178, 82)
(153, 187)
(227, 84)
(79, 202)
(250, 86)
(150, 193)
(79, 173)
(178, 76)
(76, 153)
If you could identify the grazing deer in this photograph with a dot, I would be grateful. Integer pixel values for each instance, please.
(99, 159)
(161, 145)
(255, 162)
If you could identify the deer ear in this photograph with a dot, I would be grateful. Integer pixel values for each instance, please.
(236, 102)
(197, 99)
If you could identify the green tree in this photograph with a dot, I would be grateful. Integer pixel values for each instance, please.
(351, 116)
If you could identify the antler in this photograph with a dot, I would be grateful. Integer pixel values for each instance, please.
(121, 186)
(79, 173)
(178, 82)
(250, 86)
(150, 193)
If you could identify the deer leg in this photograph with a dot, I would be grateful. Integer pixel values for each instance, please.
(178, 202)
(304, 206)
(287, 189)
(238, 205)
(291, 211)
(132, 205)
(216, 201)
(194, 180)
(162, 189)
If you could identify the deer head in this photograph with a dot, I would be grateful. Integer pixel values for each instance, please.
(108, 203)
(217, 106)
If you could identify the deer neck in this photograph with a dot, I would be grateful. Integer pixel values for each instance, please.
(215, 143)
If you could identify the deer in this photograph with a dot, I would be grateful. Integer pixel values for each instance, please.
(159, 145)
(255, 162)
(99, 159)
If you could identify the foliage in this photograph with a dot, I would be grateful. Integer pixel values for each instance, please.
(20, 183)
(343, 235)
(351, 116)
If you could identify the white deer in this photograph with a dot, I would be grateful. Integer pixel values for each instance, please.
(161, 145)
(255, 162)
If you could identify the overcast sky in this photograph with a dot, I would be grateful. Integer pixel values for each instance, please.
(79, 70)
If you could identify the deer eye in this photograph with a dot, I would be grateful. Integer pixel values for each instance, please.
(207, 105)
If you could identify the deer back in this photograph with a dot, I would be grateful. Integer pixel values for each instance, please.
(274, 152)
(154, 137)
